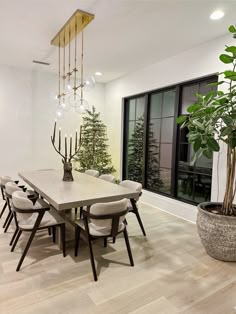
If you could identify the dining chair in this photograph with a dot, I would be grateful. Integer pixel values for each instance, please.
(3, 181)
(102, 220)
(31, 217)
(132, 205)
(108, 177)
(93, 173)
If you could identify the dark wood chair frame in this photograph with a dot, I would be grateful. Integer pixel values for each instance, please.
(135, 211)
(4, 199)
(41, 211)
(89, 238)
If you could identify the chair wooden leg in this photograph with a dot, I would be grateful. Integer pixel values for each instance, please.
(81, 214)
(26, 249)
(135, 211)
(13, 237)
(54, 234)
(8, 223)
(113, 239)
(77, 239)
(16, 240)
(128, 247)
(105, 241)
(6, 220)
(63, 239)
(92, 260)
(49, 231)
(3, 209)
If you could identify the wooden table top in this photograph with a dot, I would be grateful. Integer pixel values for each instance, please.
(84, 190)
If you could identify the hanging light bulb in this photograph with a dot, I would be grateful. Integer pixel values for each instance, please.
(89, 83)
(64, 104)
(82, 107)
(73, 100)
(59, 112)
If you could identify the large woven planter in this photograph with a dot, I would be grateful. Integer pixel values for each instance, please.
(217, 233)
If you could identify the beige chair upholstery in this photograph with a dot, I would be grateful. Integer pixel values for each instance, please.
(102, 227)
(5, 179)
(108, 177)
(11, 187)
(27, 221)
(132, 185)
(93, 173)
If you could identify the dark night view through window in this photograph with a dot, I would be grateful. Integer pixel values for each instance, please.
(156, 152)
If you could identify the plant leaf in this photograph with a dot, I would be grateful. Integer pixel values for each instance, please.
(232, 29)
(226, 58)
(216, 83)
(194, 107)
(227, 120)
(212, 144)
(198, 124)
(230, 75)
(231, 49)
(181, 119)
(197, 144)
(208, 154)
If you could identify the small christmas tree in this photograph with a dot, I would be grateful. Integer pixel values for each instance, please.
(93, 153)
(136, 160)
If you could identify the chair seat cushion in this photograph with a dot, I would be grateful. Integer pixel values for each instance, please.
(51, 218)
(98, 231)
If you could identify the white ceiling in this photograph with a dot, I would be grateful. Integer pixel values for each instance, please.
(124, 36)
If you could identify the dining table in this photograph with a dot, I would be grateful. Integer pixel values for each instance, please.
(85, 190)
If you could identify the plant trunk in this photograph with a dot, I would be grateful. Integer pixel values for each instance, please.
(227, 208)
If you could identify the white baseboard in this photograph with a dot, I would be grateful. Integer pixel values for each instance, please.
(177, 208)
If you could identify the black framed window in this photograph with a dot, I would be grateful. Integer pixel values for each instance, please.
(156, 152)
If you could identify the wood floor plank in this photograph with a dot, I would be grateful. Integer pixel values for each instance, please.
(172, 274)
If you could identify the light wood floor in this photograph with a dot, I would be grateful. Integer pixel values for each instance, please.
(172, 274)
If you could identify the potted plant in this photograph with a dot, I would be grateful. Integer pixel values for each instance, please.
(212, 120)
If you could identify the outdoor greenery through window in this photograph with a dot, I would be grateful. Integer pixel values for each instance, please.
(156, 152)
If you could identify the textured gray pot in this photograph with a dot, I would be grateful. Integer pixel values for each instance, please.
(217, 233)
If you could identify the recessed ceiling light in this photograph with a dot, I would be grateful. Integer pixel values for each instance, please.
(216, 15)
(98, 73)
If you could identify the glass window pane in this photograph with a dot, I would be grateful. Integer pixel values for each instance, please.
(185, 186)
(188, 96)
(132, 109)
(131, 129)
(140, 102)
(202, 188)
(165, 177)
(154, 130)
(135, 152)
(167, 130)
(165, 155)
(155, 107)
(183, 135)
(168, 105)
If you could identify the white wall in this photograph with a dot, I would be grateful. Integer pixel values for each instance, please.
(200, 61)
(27, 113)
(44, 106)
(15, 120)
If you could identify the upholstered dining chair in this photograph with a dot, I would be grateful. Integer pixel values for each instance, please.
(132, 206)
(108, 177)
(3, 181)
(102, 220)
(92, 172)
(31, 217)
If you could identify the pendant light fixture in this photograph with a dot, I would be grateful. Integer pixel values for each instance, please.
(71, 87)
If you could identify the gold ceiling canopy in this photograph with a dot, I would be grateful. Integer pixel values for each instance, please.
(77, 22)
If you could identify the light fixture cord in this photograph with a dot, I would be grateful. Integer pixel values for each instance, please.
(64, 67)
(69, 57)
(75, 59)
(59, 73)
(82, 66)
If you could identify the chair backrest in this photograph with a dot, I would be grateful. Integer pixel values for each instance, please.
(108, 177)
(5, 179)
(108, 216)
(11, 187)
(91, 172)
(132, 185)
(20, 201)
